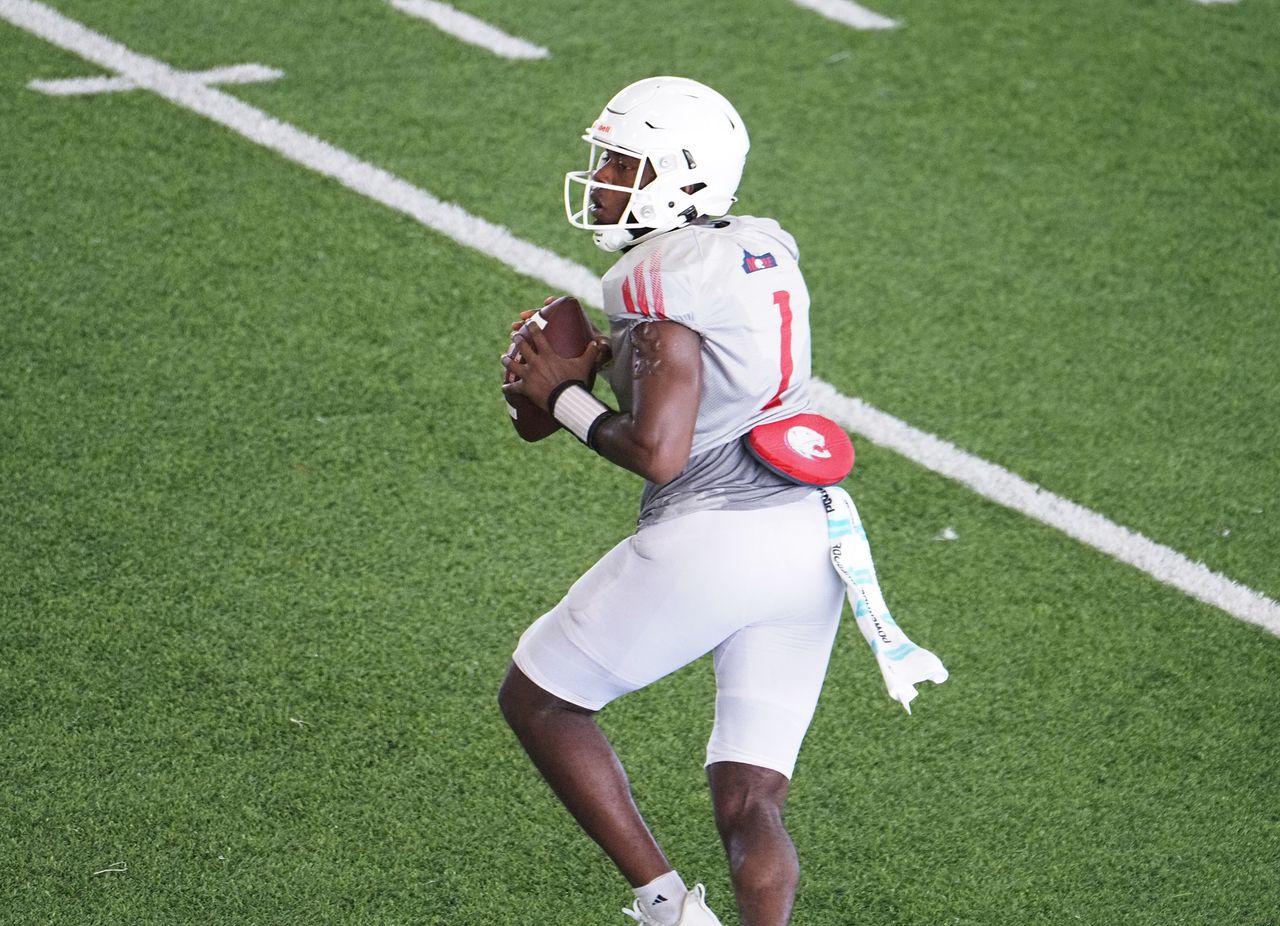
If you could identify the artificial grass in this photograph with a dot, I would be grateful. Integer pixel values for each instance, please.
(268, 541)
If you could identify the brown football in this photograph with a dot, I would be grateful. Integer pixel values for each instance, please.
(569, 331)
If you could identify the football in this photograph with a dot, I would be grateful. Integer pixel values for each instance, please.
(569, 331)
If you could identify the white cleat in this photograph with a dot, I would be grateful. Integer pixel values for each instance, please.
(695, 911)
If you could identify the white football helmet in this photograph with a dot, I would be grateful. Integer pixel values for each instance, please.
(691, 135)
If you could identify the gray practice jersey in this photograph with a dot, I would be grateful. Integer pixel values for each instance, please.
(737, 283)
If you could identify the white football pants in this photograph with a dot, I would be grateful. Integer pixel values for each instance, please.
(756, 587)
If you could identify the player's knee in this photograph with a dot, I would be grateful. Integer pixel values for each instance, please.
(746, 813)
(514, 707)
(747, 797)
(524, 703)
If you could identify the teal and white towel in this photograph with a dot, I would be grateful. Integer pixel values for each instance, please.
(903, 664)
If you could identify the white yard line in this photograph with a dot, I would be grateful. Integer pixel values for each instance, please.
(987, 479)
(189, 93)
(1212, 2)
(76, 86)
(998, 484)
(473, 31)
(848, 14)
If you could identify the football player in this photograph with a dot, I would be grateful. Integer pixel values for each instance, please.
(708, 338)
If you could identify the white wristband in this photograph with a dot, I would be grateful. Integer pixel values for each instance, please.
(578, 410)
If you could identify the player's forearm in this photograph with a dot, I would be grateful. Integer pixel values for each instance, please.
(654, 436)
(657, 456)
(633, 441)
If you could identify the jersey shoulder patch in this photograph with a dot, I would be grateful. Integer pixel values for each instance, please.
(752, 263)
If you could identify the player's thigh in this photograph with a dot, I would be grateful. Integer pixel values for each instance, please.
(768, 679)
(673, 592)
(709, 574)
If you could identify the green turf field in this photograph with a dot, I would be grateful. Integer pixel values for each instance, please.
(267, 539)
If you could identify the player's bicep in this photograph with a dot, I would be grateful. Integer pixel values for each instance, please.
(666, 379)
(666, 375)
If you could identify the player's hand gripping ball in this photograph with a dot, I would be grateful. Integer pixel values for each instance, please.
(569, 331)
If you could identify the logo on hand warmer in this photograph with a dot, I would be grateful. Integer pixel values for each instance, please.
(808, 443)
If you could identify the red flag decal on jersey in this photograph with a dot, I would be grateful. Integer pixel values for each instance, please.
(753, 262)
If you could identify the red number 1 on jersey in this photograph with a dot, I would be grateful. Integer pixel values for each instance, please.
(782, 299)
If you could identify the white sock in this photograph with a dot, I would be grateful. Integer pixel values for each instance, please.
(663, 898)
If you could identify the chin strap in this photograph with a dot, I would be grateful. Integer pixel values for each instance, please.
(903, 664)
(615, 239)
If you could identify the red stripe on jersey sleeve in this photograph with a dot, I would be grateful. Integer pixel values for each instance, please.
(626, 295)
(655, 283)
(638, 276)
